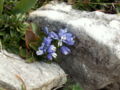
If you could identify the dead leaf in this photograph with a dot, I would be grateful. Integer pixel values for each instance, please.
(30, 36)
(21, 80)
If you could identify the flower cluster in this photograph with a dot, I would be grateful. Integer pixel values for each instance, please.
(62, 37)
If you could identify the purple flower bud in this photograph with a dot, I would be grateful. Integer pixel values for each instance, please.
(49, 56)
(65, 50)
(62, 32)
(47, 41)
(46, 31)
(53, 35)
(69, 42)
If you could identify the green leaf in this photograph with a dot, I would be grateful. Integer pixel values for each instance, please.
(23, 6)
(23, 87)
(30, 60)
(34, 45)
(76, 87)
(34, 28)
(2, 33)
(1, 6)
(22, 52)
(12, 49)
(73, 87)
(12, 33)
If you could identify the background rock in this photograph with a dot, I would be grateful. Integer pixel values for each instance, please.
(14, 73)
(95, 59)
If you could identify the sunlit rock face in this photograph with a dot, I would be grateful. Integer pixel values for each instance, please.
(15, 74)
(95, 59)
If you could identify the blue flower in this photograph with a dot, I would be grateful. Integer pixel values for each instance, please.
(51, 52)
(53, 35)
(65, 50)
(47, 41)
(45, 44)
(39, 52)
(62, 31)
(65, 37)
(69, 39)
(41, 47)
(52, 55)
(46, 30)
(49, 56)
(51, 49)
(48, 48)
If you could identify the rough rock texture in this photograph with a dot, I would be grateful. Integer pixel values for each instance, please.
(15, 73)
(95, 59)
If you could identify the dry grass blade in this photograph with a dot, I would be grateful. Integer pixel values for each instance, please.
(23, 86)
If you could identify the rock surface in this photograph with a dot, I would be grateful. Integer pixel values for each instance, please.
(95, 59)
(15, 73)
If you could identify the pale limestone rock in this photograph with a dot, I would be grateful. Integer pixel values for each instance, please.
(14, 73)
(95, 59)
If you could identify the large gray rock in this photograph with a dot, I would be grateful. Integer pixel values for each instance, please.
(15, 73)
(95, 59)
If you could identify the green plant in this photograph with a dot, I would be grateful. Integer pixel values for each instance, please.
(1, 6)
(13, 26)
(41, 3)
(16, 6)
(73, 87)
(22, 38)
(23, 6)
(107, 6)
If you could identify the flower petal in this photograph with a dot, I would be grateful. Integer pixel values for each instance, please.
(69, 35)
(47, 41)
(69, 39)
(62, 32)
(51, 49)
(65, 50)
(53, 35)
(54, 55)
(39, 52)
(69, 42)
(49, 56)
(41, 47)
(46, 31)
(60, 43)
